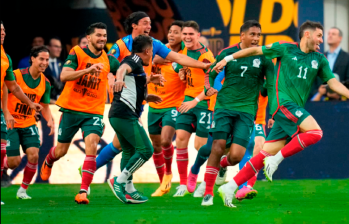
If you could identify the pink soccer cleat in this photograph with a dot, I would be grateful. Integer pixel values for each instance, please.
(192, 179)
(246, 193)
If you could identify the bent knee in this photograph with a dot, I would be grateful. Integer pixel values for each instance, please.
(13, 162)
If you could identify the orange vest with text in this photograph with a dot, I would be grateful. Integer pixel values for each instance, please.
(21, 112)
(5, 64)
(172, 93)
(262, 108)
(88, 93)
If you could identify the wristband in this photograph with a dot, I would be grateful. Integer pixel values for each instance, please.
(228, 58)
(197, 99)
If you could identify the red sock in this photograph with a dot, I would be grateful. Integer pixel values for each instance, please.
(182, 163)
(252, 181)
(88, 170)
(168, 154)
(5, 163)
(159, 162)
(301, 141)
(210, 178)
(51, 157)
(248, 171)
(224, 162)
(3, 155)
(29, 172)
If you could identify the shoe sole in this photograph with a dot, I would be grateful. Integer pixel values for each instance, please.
(131, 201)
(23, 198)
(162, 194)
(179, 196)
(265, 173)
(206, 204)
(82, 202)
(112, 189)
(249, 195)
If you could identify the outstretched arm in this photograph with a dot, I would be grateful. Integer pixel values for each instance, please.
(338, 87)
(184, 60)
(69, 74)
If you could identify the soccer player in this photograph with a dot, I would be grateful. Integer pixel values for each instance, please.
(82, 103)
(236, 104)
(8, 78)
(25, 132)
(199, 118)
(162, 116)
(130, 92)
(298, 64)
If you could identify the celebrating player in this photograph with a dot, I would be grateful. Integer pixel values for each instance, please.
(8, 78)
(23, 131)
(82, 103)
(298, 65)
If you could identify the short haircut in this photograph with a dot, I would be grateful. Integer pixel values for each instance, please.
(339, 31)
(177, 23)
(133, 18)
(309, 25)
(52, 38)
(140, 43)
(81, 37)
(248, 24)
(91, 28)
(192, 24)
(34, 52)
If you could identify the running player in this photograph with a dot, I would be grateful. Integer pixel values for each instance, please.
(236, 104)
(8, 78)
(197, 119)
(82, 103)
(298, 65)
(130, 92)
(162, 116)
(25, 132)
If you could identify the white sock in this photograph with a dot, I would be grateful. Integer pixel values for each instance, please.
(123, 176)
(278, 158)
(22, 190)
(130, 188)
(231, 185)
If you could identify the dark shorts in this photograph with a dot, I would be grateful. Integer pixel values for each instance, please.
(71, 123)
(195, 120)
(158, 120)
(287, 121)
(3, 127)
(259, 130)
(26, 137)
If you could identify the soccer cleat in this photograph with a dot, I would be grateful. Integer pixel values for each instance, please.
(222, 175)
(207, 200)
(136, 198)
(2, 203)
(23, 195)
(192, 179)
(181, 191)
(245, 193)
(269, 168)
(45, 172)
(226, 195)
(81, 198)
(89, 188)
(200, 191)
(166, 183)
(159, 192)
(118, 189)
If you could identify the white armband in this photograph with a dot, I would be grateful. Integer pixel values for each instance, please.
(229, 58)
(197, 99)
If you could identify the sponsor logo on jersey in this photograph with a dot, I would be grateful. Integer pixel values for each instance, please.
(299, 113)
(60, 131)
(256, 62)
(314, 64)
(295, 58)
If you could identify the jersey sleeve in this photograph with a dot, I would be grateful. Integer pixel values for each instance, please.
(72, 60)
(269, 76)
(218, 81)
(9, 72)
(47, 95)
(130, 62)
(114, 63)
(212, 73)
(160, 49)
(274, 50)
(325, 72)
(115, 50)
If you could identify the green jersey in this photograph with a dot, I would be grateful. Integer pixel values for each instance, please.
(296, 72)
(244, 79)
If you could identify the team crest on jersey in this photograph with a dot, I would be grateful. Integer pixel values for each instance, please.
(299, 113)
(256, 62)
(268, 46)
(68, 62)
(60, 131)
(314, 64)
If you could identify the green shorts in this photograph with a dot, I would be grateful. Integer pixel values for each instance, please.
(228, 122)
(259, 130)
(158, 118)
(26, 137)
(70, 124)
(3, 127)
(195, 120)
(287, 121)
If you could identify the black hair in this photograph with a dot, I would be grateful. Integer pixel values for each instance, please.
(340, 33)
(91, 28)
(80, 38)
(309, 25)
(52, 38)
(133, 18)
(248, 24)
(2, 22)
(34, 52)
(191, 24)
(140, 43)
(177, 23)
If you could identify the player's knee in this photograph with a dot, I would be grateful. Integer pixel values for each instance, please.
(198, 145)
(13, 162)
(235, 158)
(166, 141)
(33, 158)
(217, 148)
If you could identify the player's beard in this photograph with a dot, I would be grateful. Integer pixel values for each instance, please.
(98, 48)
(311, 45)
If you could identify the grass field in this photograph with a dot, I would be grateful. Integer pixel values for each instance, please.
(292, 201)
